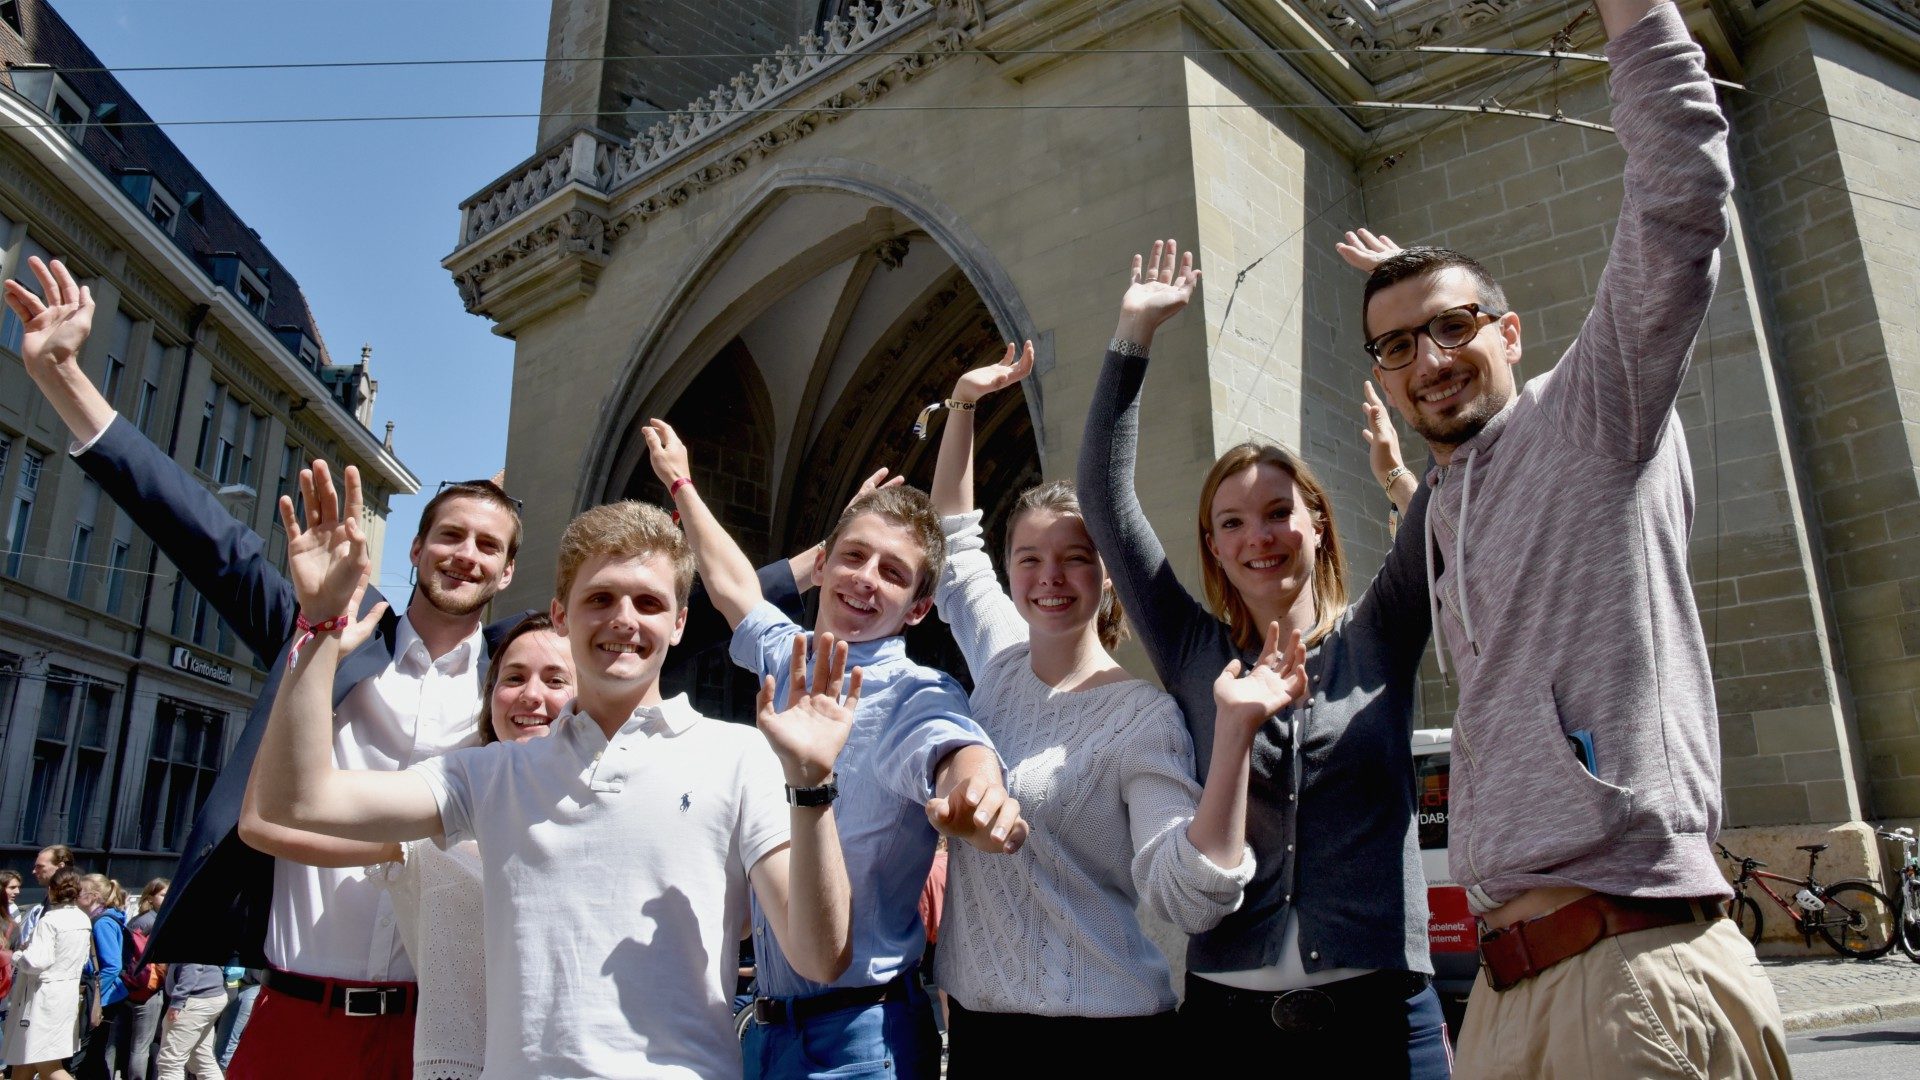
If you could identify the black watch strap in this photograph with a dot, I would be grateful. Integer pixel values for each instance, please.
(821, 795)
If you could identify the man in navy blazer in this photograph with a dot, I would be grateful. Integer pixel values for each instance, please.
(349, 1010)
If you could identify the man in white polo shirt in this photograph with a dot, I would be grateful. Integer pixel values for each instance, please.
(617, 852)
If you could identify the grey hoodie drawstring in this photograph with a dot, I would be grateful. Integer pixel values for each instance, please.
(1460, 557)
(1459, 570)
(1433, 604)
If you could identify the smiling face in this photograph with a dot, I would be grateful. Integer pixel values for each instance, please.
(461, 558)
(533, 684)
(1447, 395)
(1263, 535)
(1054, 573)
(619, 619)
(869, 581)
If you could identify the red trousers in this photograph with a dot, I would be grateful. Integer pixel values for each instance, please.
(288, 1038)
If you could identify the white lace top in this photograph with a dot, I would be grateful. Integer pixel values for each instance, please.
(1105, 780)
(437, 899)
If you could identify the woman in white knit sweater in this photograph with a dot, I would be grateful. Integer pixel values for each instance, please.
(1043, 949)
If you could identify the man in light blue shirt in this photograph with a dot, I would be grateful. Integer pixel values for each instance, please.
(914, 745)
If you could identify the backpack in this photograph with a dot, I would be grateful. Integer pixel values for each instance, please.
(142, 980)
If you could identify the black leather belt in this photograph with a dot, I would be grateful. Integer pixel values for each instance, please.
(800, 1010)
(1310, 1008)
(386, 999)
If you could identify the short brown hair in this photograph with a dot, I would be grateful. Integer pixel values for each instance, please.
(911, 509)
(1059, 497)
(1329, 562)
(533, 623)
(486, 491)
(623, 530)
(63, 887)
(1419, 262)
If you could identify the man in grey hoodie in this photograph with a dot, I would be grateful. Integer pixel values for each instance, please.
(1586, 766)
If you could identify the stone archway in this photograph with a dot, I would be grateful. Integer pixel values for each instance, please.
(793, 363)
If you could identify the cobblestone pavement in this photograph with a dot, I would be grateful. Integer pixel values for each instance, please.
(1821, 992)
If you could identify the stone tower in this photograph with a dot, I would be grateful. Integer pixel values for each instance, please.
(812, 250)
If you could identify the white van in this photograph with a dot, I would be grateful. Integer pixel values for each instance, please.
(1452, 939)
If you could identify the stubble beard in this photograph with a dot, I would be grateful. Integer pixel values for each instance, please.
(1448, 433)
(437, 596)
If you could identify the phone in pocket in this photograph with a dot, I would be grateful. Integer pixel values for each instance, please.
(1581, 743)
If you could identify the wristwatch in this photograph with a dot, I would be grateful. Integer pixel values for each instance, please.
(819, 795)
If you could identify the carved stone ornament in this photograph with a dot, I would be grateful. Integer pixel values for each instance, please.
(501, 219)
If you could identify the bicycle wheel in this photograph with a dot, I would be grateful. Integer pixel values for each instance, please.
(1858, 920)
(1906, 921)
(1747, 918)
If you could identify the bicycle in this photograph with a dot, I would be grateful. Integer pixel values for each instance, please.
(1906, 899)
(1852, 916)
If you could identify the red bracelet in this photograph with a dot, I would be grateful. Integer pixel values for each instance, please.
(674, 488)
(308, 630)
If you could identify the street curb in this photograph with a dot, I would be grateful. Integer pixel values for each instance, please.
(1867, 1012)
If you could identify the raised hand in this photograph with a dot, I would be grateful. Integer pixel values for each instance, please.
(1364, 251)
(874, 483)
(1161, 286)
(1383, 442)
(55, 327)
(327, 559)
(1243, 700)
(665, 450)
(808, 735)
(982, 381)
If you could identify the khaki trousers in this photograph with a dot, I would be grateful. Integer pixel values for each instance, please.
(1680, 1001)
(188, 1041)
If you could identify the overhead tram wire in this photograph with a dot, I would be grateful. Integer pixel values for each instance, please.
(315, 65)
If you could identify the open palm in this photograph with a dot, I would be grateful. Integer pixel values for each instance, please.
(327, 558)
(57, 326)
(808, 735)
(1162, 284)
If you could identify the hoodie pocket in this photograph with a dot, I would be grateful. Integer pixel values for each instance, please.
(1535, 806)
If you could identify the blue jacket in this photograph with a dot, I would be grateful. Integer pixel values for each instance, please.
(217, 906)
(109, 938)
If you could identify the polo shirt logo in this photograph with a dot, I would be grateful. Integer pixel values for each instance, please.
(686, 802)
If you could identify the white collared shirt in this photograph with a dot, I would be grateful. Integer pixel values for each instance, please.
(340, 924)
(616, 879)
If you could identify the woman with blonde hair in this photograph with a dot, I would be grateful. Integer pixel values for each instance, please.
(40, 1033)
(1330, 947)
(1044, 949)
(103, 1046)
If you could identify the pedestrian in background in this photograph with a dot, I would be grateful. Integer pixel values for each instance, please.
(102, 1047)
(40, 1033)
(196, 995)
(145, 1007)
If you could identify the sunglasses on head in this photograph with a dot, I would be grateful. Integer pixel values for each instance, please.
(518, 506)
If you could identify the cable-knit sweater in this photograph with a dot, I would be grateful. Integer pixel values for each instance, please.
(1105, 781)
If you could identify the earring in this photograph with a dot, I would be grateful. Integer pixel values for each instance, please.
(413, 575)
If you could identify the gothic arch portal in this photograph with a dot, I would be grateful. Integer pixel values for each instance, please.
(794, 358)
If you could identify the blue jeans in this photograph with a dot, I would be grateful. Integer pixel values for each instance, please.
(234, 1022)
(891, 1039)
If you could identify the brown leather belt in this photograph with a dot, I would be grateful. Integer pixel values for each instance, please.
(1516, 953)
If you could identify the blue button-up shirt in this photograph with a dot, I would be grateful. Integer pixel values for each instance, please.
(908, 720)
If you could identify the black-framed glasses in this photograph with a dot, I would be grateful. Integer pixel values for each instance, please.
(518, 506)
(1450, 329)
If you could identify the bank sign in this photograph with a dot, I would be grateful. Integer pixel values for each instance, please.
(185, 659)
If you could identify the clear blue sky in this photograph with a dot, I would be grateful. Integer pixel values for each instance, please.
(360, 213)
